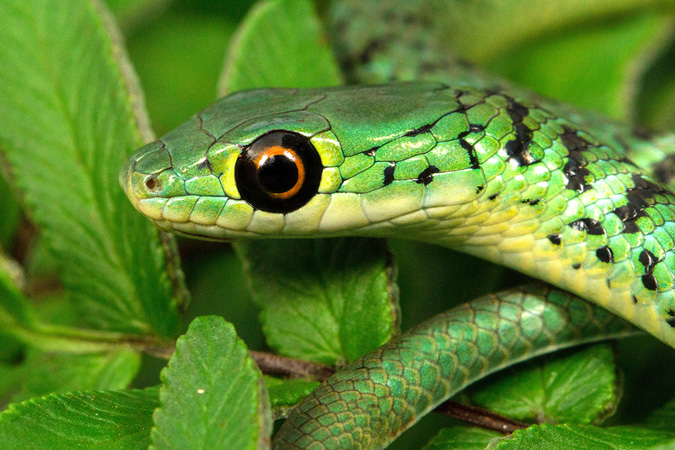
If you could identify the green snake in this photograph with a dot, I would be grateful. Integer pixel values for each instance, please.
(480, 167)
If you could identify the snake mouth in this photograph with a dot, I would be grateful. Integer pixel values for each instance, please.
(193, 230)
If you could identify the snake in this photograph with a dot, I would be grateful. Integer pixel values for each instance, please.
(577, 201)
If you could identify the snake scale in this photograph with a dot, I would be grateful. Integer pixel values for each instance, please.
(469, 163)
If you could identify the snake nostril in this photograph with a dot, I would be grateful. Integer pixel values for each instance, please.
(153, 184)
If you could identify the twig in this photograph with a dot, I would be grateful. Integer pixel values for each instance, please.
(290, 367)
(479, 417)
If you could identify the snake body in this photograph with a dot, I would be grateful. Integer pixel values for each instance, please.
(371, 401)
(463, 161)
(485, 172)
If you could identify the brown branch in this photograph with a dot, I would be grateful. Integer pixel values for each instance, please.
(479, 417)
(291, 367)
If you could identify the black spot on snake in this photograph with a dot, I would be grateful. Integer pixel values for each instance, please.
(649, 281)
(471, 151)
(572, 141)
(671, 321)
(591, 226)
(648, 260)
(554, 238)
(427, 175)
(493, 196)
(576, 172)
(605, 254)
(576, 266)
(517, 149)
(389, 173)
(516, 111)
(420, 130)
(638, 198)
(479, 189)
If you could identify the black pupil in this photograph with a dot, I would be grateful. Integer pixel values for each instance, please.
(278, 174)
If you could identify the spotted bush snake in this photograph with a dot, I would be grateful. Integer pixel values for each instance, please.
(564, 196)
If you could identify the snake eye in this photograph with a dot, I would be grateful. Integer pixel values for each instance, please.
(278, 172)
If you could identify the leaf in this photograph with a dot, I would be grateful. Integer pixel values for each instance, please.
(461, 438)
(582, 437)
(656, 102)
(432, 279)
(68, 123)
(132, 13)
(298, 55)
(597, 67)
(482, 30)
(662, 419)
(580, 387)
(80, 420)
(179, 59)
(14, 308)
(218, 287)
(56, 373)
(332, 301)
(212, 394)
(11, 213)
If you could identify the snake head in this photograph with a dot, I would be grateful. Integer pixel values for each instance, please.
(294, 163)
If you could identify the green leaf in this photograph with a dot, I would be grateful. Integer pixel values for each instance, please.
(656, 102)
(298, 55)
(14, 308)
(133, 13)
(68, 123)
(11, 214)
(179, 59)
(212, 395)
(216, 281)
(56, 373)
(432, 279)
(662, 419)
(566, 437)
(332, 301)
(580, 387)
(461, 438)
(597, 67)
(482, 30)
(80, 420)
(285, 394)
